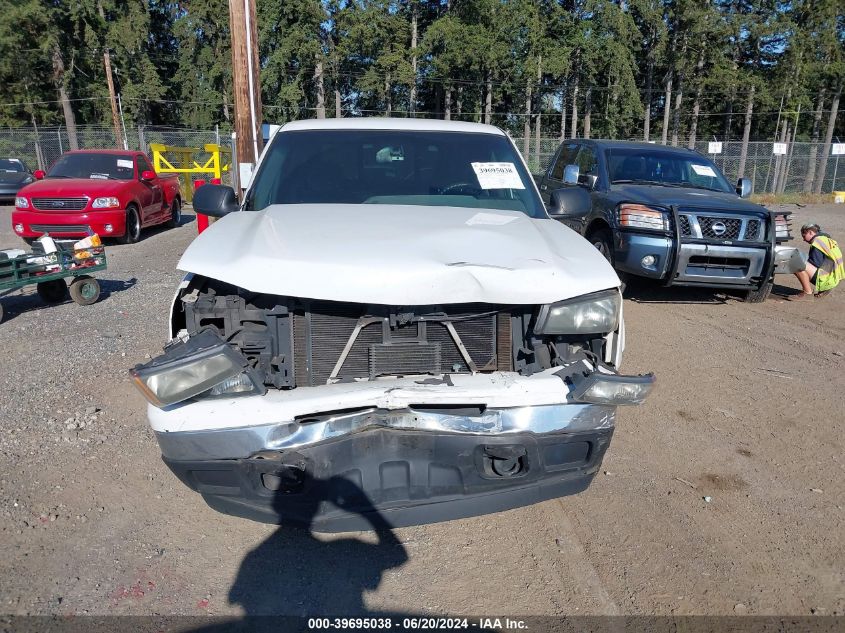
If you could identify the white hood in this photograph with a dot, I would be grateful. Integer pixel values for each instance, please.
(399, 255)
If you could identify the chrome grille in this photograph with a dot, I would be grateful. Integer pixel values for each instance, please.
(59, 228)
(386, 346)
(752, 230)
(718, 228)
(60, 204)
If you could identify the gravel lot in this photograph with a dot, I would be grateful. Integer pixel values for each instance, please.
(748, 413)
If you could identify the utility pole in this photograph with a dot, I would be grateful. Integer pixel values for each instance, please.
(110, 81)
(245, 81)
(113, 99)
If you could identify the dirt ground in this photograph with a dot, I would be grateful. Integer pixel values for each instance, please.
(748, 413)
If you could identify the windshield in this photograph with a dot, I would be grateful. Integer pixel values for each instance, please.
(456, 169)
(670, 169)
(11, 164)
(101, 166)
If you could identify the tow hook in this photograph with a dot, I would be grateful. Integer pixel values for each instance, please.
(508, 460)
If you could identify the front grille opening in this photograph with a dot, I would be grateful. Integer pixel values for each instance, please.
(719, 228)
(684, 225)
(720, 262)
(469, 410)
(752, 230)
(332, 413)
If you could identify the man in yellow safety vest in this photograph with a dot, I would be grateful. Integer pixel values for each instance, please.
(824, 269)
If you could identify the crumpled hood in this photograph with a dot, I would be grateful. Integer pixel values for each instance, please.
(399, 255)
(685, 197)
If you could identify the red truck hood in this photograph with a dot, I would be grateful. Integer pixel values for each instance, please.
(73, 187)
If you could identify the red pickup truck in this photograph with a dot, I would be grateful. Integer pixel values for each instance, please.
(114, 193)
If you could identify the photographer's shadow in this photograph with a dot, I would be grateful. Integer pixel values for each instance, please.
(293, 573)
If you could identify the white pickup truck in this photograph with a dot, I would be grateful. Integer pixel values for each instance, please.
(387, 330)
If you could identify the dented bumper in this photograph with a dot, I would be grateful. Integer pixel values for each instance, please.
(403, 451)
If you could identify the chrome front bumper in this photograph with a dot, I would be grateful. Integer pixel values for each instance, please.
(241, 442)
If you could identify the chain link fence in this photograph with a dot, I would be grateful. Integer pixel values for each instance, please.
(795, 171)
(40, 148)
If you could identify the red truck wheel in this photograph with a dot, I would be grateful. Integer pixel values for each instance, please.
(133, 226)
(175, 214)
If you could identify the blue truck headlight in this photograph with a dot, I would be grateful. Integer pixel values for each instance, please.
(599, 388)
(203, 363)
(640, 216)
(592, 314)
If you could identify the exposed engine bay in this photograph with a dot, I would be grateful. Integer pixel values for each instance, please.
(292, 342)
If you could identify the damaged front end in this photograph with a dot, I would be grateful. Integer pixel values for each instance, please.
(283, 409)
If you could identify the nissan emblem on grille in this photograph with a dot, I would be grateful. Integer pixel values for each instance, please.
(719, 228)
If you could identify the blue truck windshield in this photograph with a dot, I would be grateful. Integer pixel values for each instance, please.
(635, 165)
(402, 167)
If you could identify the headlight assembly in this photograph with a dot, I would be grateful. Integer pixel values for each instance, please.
(203, 363)
(600, 388)
(21, 202)
(593, 314)
(108, 202)
(639, 216)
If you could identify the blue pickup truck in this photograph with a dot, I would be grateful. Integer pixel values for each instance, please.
(665, 213)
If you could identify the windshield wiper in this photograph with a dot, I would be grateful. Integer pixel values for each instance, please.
(58, 176)
(634, 181)
(99, 176)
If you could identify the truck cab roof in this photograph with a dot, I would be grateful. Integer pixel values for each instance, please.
(385, 123)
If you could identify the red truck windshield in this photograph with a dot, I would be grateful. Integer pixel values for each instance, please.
(98, 166)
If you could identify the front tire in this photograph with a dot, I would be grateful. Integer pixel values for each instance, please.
(133, 226)
(175, 214)
(759, 295)
(602, 240)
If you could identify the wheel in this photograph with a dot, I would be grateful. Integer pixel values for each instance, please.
(133, 226)
(85, 290)
(175, 214)
(602, 239)
(53, 291)
(1, 312)
(760, 294)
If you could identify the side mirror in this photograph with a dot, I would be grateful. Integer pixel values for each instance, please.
(570, 174)
(215, 200)
(574, 201)
(148, 175)
(39, 174)
(743, 187)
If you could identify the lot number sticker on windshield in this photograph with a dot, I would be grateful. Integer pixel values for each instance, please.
(497, 176)
(124, 163)
(704, 170)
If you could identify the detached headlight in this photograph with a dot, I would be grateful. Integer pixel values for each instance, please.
(204, 362)
(639, 216)
(599, 388)
(105, 203)
(594, 314)
(21, 202)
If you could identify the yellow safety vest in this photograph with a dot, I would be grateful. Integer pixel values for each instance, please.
(829, 280)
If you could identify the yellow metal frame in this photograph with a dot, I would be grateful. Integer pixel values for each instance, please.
(186, 163)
